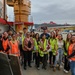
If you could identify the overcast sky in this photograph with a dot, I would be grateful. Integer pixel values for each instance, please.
(59, 11)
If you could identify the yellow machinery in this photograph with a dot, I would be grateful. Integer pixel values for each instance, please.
(22, 9)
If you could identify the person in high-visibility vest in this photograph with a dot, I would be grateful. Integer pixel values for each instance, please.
(20, 47)
(43, 50)
(71, 55)
(32, 35)
(66, 62)
(24, 35)
(36, 50)
(14, 46)
(52, 53)
(20, 41)
(5, 43)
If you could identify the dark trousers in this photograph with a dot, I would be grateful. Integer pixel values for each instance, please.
(21, 50)
(37, 59)
(33, 57)
(27, 58)
(20, 47)
(51, 58)
(44, 60)
(21, 54)
(66, 64)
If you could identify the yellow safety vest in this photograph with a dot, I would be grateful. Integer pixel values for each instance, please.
(67, 46)
(44, 46)
(53, 43)
(36, 45)
(23, 37)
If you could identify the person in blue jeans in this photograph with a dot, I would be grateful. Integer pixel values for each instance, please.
(60, 50)
(72, 67)
(71, 55)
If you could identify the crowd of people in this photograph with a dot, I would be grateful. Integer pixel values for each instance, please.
(43, 49)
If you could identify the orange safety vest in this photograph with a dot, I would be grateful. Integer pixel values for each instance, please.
(14, 48)
(70, 51)
(5, 44)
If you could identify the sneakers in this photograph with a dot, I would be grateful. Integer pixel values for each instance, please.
(51, 66)
(65, 71)
(43, 67)
(38, 68)
(59, 68)
(25, 68)
(54, 69)
(30, 66)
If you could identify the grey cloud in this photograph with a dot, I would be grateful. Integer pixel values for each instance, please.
(56, 10)
(60, 11)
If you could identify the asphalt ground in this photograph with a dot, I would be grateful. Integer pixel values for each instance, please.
(49, 71)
